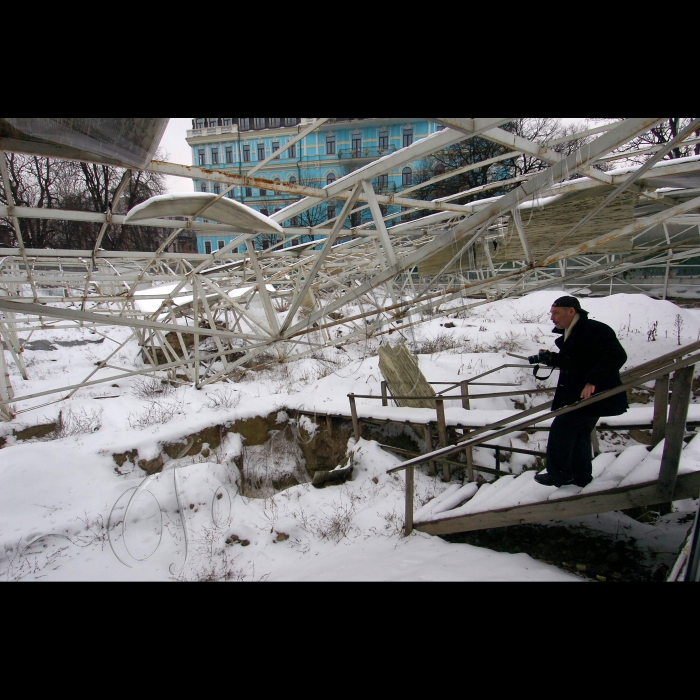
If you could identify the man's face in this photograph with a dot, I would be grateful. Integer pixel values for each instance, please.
(563, 317)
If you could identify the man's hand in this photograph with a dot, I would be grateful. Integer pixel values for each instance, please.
(588, 391)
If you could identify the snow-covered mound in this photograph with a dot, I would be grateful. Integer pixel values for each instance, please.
(76, 502)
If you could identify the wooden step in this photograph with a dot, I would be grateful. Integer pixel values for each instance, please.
(446, 503)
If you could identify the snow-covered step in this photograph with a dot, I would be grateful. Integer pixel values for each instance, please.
(531, 492)
(457, 499)
(648, 470)
(428, 508)
(486, 494)
(509, 494)
(602, 462)
(612, 476)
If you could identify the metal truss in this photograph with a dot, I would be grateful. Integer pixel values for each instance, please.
(207, 318)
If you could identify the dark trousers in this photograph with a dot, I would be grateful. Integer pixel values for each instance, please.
(569, 452)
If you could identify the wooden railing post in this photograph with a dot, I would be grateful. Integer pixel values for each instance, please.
(469, 452)
(466, 403)
(675, 432)
(355, 419)
(595, 443)
(385, 394)
(660, 410)
(410, 488)
(470, 464)
(442, 434)
(432, 467)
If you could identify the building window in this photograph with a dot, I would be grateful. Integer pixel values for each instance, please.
(383, 182)
(407, 177)
(213, 121)
(265, 212)
(263, 193)
(214, 156)
(207, 247)
(200, 123)
(203, 187)
(248, 191)
(292, 151)
(201, 157)
(261, 151)
(259, 122)
(275, 148)
(217, 188)
(222, 245)
(330, 145)
(331, 178)
(227, 121)
(246, 153)
(383, 141)
(407, 138)
(331, 212)
(274, 122)
(293, 180)
(244, 124)
(229, 154)
(357, 145)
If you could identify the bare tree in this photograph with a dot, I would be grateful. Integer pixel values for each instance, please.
(660, 135)
(40, 183)
(55, 184)
(496, 176)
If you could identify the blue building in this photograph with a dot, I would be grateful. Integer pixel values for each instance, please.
(336, 149)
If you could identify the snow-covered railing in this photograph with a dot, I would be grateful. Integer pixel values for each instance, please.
(466, 397)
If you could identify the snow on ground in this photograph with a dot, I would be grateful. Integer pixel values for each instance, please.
(61, 499)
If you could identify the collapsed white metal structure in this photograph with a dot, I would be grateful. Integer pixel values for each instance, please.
(204, 318)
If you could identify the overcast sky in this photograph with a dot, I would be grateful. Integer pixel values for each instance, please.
(176, 150)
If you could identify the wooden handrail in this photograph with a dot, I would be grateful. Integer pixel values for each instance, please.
(460, 397)
(475, 438)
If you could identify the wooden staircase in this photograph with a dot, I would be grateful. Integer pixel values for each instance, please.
(637, 477)
(620, 482)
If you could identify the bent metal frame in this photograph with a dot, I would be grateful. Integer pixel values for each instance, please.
(211, 316)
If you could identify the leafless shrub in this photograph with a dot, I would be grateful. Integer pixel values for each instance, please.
(150, 388)
(156, 413)
(527, 317)
(211, 562)
(653, 333)
(224, 399)
(72, 422)
(510, 342)
(443, 342)
(31, 559)
(337, 525)
(678, 325)
(334, 527)
(395, 524)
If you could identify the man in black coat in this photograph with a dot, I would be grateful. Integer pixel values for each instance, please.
(590, 360)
